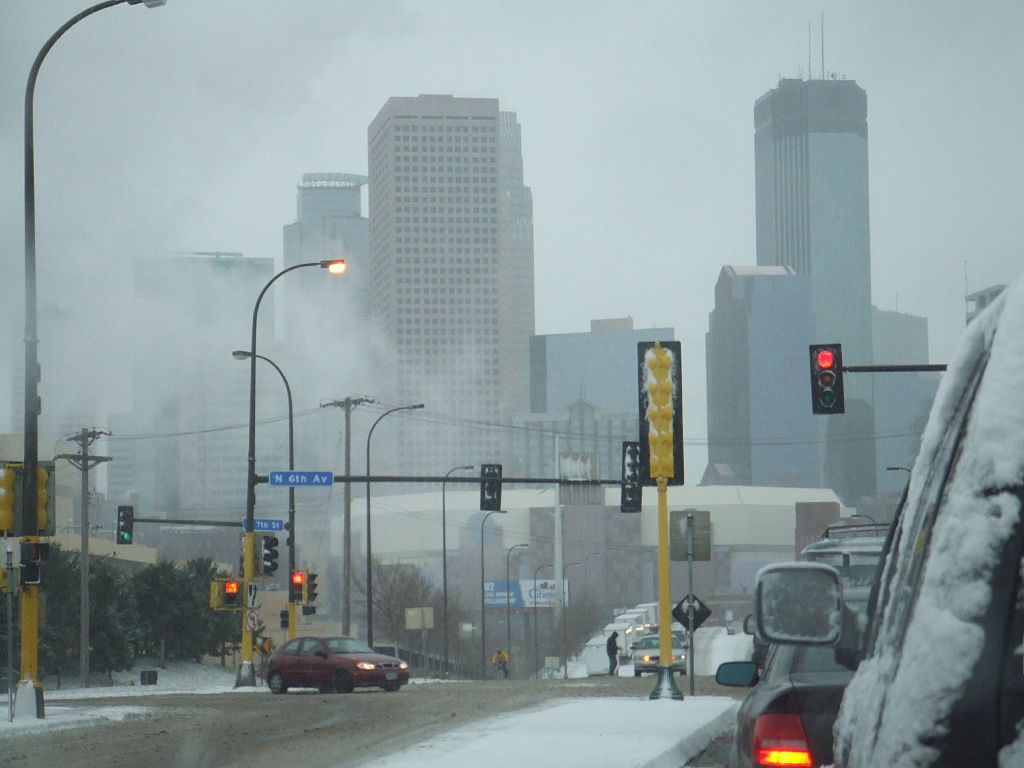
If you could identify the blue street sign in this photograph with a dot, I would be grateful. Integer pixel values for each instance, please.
(263, 524)
(302, 478)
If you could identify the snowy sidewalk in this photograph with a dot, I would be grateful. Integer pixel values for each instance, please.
(595, 732)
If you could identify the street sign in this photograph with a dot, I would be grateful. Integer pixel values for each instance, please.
(287, 478)
(523, 593)
(681, 612)
(265, 524)
(419, 618)
(701, 534)
(252, 595)
(251, 621)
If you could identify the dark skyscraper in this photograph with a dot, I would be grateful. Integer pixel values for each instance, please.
(811, 185)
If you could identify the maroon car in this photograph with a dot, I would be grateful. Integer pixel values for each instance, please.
(333, 664)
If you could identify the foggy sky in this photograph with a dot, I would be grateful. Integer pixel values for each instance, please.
(187, 127)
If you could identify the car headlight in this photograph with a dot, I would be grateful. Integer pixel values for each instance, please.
(403, 665)
(364, 665)
(647, 658)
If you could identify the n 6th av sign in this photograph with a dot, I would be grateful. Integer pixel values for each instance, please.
(286, 478)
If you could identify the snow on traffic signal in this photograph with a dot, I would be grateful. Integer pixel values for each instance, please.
(661, 411)
(268, 555)
(827, 379)
(490, 487)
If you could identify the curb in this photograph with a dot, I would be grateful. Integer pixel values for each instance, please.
(695, 743)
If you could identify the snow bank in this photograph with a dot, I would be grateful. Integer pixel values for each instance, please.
(714, 646)
(64, 717)
(178, 677)
(592, 732)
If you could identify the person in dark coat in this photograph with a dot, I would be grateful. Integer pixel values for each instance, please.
(612, 647)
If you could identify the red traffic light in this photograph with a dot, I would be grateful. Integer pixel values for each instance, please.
(298, 577)
(826, 359)
(230, 587)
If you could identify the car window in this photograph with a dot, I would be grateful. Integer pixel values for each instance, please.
(347, 645)
(291, 648)
(647, 643)
(914, 537)
(818, 658)
(310, 646)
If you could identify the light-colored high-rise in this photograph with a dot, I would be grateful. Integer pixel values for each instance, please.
(451, 244)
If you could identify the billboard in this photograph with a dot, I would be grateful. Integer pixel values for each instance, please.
(523, 593)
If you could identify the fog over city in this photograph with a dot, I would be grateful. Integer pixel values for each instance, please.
(187, 128)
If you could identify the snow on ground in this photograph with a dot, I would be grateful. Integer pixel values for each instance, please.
(596, 732)
(178, 677)
(61, 717)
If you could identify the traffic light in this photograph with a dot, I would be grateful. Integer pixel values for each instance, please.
(296, 587)
(284, 618)
(661, 411)
(268, 555)
(309, 595)
(232, 593)
(490, 488)
(125, 524)
(32, 552)
(827, 379)
(7, 500)
(632, 490)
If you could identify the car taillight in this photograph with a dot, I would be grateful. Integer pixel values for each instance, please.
(780, 740)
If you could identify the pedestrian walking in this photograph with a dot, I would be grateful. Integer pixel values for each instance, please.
(613, 652)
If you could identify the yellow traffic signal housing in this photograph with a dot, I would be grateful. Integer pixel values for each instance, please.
(661, 424)
(7, 499)
(42, 499)
(226, 594)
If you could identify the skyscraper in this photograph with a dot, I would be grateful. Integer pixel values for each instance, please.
(329, 225)
(451, 244)
(811, 187)
(760, 427)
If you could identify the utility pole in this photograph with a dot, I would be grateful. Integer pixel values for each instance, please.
(349, 404)
(84, 462)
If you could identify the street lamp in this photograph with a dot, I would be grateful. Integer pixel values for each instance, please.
(246, 672)
(894, 469)
(508, 600)
(444, 558)
(565, 642)
(483, 604)
(241, 354)
(536, 645)
(30, 450)
(369, 541)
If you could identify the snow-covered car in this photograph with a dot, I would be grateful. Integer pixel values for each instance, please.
(940, 680)
(647, 652)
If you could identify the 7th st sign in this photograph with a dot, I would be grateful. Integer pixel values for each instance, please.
(301, 479)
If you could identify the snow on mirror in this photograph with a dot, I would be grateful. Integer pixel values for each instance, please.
(799, 603)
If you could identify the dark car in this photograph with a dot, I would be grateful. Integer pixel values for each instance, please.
(787, 719)
(940, 681)
(337, 664)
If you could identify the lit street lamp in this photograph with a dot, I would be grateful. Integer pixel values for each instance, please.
(241, 354)
(508, 600)
(444, 558)
(246, 671)
(30, 451)
(369, 540)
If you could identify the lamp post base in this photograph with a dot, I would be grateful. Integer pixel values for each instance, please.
(28, 701)
(246, 675)
(665, 687)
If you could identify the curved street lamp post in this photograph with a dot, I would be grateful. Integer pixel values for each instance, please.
(444, 558)
(369, 540)
(246, 671)
(241, 354)
(483, 601)
(30, 449)
(508, 600)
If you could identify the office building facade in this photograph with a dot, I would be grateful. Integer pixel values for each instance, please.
(760, 427)
(452, 269)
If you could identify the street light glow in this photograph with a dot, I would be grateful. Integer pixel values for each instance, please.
(334, 266)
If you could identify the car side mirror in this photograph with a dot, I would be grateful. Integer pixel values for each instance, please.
(739, 674)
(321, 654)
(799, 603)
